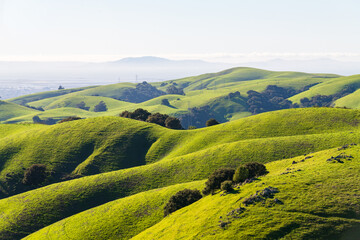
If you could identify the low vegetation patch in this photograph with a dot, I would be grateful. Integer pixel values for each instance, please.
(181, 199)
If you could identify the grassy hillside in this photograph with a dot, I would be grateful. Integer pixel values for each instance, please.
(166, 157)
(38, 96)
(204, 90)
(329, 87)
(119, 219)
(321, 200)
(316, 195)
(10, 110)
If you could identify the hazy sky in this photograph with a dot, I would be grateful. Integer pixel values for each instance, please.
(226, 30)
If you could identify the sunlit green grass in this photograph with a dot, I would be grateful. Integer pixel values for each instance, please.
(167, 157)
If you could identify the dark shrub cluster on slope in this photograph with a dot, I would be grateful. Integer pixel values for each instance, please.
(272, 98)
(71, 118)
(197, 116)
(248, 171)
(157, 118)
(141, 93)
(82, 106)
(181, 199)
(48, 121)
(174, 90)
(326, 101)
(32, 107)
(100, 107)
(211, 122)
(223, 178)
(35, 174)
(216, 178)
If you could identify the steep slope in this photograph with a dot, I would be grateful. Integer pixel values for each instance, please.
(317, 199)
(173, 157)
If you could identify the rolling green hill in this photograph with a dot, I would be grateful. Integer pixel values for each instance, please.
(126, 157)
(210, 90)
(320, 199)
(313, 191)
(10, 110)
(109, 177)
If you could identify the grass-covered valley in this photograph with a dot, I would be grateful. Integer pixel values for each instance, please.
(111, 177)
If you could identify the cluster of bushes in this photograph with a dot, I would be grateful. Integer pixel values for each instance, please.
(71, 118)
(82, 106)
(35, 174)
(142, 92)
(157, 118)
(174, 90)
(224, 178)
(197, 116)
(32, 107)
(48, 121)
(100, 107)
(272, 98)
(324, 100)
(211, 122)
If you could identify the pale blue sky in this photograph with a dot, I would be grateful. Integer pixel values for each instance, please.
(97, 30)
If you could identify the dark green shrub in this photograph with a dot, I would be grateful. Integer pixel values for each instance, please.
(216, 178)
(35, 174)
(173, 123)
(165, 102)
(181, 199)
(256, 169)
(174, 90)
(227, 186)
(211, 122)
(140, 114)
(157, 118)
(125, 114)
(68, 119)
(241, 174)
(101, 107)
(83, 106)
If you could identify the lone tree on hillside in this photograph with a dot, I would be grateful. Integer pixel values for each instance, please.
(61, 87)
(35, 174)
(181, 199)
(165, 102)
(211, 122)
(101, 107)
